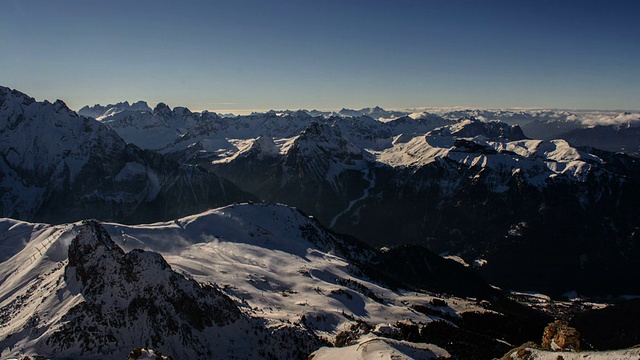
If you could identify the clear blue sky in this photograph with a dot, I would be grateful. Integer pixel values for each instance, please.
(325, 54)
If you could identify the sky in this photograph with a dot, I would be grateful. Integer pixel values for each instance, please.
(245, 55)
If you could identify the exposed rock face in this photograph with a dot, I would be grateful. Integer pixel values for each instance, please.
(559, 336)
(135, 294)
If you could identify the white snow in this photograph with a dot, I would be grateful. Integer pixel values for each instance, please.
(258, 255)
(31, 294)
(538, 160)
(370, 348)
(536, 354)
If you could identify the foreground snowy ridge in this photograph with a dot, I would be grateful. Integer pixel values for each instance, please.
(71, 291)
(371, 348)
(100, 301)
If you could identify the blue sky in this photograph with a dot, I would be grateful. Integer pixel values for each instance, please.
(246, 55)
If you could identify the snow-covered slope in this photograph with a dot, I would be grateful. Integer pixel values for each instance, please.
(242, 281)
(381, 348)
(609, 130)
(279, 261)
(98, 301)
(495, 145)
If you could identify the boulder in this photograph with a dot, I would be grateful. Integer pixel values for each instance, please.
(559, 336)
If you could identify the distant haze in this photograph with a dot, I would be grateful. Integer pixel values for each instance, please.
(249, 55)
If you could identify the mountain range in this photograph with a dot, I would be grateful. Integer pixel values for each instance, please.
(473, 188)
(395, 224)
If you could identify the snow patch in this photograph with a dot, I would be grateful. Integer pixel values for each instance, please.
(371, 348)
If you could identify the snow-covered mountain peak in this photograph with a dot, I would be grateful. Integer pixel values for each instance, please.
(103, 269)
(7, 94)
(494, 145)
(264, 146)
(91, 236)
(326, 138)
(162, 110)
(60, 105)
(140, 106)
(181, 111)
(322, 149)
(376, 112)
(45, 137)
(300, 114)
(100, 112)
(316, 130)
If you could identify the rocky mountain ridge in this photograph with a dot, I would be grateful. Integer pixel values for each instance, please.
(541, 124)
(57, 166)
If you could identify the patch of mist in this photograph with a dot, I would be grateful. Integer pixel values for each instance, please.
(210, 239)
(619, 119)
(59, 247)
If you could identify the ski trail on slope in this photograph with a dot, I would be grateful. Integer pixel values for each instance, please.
(367, 176)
